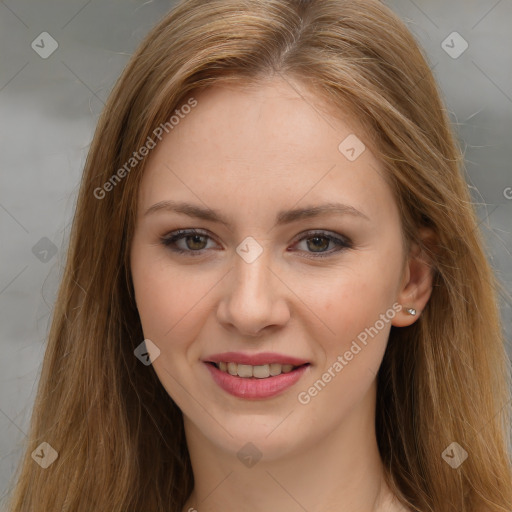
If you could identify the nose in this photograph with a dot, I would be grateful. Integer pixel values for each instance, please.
(255, 298)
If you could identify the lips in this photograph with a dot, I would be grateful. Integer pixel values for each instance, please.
(256, 376)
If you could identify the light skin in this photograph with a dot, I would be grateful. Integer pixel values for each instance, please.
(249, 154)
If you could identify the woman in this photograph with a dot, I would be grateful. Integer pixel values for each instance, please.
(276, 295)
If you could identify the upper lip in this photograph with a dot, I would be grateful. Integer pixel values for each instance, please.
(254, 359)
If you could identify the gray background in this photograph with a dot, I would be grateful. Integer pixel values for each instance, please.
(49, 108)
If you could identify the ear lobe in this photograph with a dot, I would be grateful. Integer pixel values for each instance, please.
(417, 284)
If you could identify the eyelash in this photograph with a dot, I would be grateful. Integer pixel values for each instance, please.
(170, 239)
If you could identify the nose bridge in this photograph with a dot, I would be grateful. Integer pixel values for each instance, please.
(252, 280)
(252, 299)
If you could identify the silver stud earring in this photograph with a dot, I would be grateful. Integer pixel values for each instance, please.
(411, 311)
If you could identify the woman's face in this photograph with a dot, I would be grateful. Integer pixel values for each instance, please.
(297, 258)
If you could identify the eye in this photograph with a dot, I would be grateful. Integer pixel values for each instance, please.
(317, 244)
(191, 241)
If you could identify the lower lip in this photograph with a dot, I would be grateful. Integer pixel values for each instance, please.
(254, 388)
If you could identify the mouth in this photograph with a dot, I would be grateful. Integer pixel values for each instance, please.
(257, 382)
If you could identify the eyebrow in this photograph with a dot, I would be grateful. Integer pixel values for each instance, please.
(283, 217)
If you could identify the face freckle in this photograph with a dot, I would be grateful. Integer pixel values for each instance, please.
(238, 167)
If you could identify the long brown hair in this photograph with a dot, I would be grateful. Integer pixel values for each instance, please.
(119, 436)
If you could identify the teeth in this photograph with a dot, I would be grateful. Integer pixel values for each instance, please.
(275, 369)
(247, 371)
(261, 372)
(244, 370)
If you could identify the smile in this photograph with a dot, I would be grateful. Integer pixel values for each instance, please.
(255, 382)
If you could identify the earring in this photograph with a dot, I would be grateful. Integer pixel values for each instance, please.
(411, 311)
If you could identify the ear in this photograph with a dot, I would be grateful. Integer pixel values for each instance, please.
(416, 286)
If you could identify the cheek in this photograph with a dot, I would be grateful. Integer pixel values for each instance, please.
(359, 314)
(360, 329)
(167, 300)
(170, 304)
(356, 309)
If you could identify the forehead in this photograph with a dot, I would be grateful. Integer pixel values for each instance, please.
(280, 114)
(275, 139)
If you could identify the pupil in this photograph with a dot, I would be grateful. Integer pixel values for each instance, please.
(196, 239)
(318, 238)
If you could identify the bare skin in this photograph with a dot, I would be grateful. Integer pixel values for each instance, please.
(249, 154)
